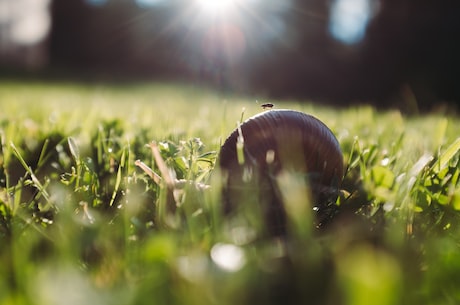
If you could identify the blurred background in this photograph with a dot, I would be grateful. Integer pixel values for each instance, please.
(387, 52)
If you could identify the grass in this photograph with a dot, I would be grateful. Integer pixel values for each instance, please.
(80, 223)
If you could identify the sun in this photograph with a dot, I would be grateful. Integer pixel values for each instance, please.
(216, 7)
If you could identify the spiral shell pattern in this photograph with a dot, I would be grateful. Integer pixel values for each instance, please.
(273, 141)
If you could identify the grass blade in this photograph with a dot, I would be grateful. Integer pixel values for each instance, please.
(119, 177)
(74, 149)
(447, 155)
(29, 170)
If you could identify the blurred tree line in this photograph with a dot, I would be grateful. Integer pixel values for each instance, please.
(411, 48)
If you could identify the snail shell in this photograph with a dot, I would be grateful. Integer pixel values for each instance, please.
(274, 141)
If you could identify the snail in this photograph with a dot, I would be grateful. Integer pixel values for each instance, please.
(270, 143)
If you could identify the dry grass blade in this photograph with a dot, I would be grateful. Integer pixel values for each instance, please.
(162, 165)
(155, 177)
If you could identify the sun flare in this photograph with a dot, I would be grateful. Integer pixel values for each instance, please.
(216, 7)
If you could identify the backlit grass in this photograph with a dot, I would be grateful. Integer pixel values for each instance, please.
(80, 223)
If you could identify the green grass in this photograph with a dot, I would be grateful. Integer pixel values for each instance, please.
(80, 223)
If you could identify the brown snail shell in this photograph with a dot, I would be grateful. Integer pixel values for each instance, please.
(273, 141)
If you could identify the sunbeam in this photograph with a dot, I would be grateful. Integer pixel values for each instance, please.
(216, 7)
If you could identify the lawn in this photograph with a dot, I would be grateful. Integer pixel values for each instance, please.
(81, 222)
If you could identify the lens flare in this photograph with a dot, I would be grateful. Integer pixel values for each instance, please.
(216, 7)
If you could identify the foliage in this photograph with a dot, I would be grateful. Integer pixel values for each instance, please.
(81, 223)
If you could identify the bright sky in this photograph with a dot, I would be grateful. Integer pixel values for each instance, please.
(349, 19)
(28, 21)
(216, 7)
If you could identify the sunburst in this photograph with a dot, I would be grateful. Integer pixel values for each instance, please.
(216, 7)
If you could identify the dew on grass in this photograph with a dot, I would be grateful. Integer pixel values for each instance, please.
(228, 257)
